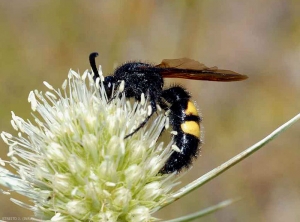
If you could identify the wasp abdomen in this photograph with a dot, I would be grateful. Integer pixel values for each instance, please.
(185, 120)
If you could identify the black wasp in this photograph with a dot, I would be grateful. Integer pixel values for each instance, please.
(184, 118)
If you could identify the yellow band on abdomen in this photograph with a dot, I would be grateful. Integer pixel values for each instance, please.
(191, 127)
(191, 109)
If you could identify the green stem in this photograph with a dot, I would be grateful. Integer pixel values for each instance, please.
(204, 212)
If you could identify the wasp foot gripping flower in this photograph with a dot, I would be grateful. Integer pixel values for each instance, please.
(74, 163)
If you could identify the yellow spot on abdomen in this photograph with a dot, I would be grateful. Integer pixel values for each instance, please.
(191, 109)
(191, 127)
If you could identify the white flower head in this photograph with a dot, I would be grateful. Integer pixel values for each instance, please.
(74, 163)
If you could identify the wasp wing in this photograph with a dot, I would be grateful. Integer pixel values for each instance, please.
(191, 69)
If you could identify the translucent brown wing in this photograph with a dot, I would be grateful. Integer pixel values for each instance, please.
(191, 69)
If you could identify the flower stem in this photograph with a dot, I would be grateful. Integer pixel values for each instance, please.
(205, 211)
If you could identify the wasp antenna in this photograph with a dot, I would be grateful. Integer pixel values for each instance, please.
(92, 57)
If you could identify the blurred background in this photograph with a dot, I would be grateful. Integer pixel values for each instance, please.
(42, 40)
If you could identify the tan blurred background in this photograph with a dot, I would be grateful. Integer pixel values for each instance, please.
(42, 40)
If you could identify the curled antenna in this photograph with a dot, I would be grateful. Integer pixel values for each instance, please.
(92, 59)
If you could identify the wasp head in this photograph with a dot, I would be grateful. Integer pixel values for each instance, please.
(110, 84)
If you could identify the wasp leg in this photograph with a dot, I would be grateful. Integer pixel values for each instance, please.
(153, 110)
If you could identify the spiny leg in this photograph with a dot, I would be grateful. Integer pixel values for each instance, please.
(153, 110)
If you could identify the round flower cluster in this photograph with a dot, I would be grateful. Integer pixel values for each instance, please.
(74, 163)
